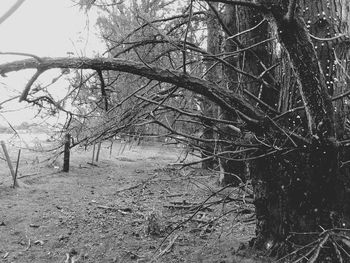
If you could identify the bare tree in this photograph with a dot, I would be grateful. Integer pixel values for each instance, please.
(299, 162)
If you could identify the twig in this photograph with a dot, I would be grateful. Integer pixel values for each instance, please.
(137, 185)
(298, 250)
(27, 175)
(337, 251)
(174, 195)
(166, 250)
(248, 30)
(26, 90)
(29, 241)
(251, 95)
(192, 215)
(318, 249)
(29, 245)
(342, 164)
(12, 9)
(130, 188)
(113, 208)
(328, 38)
(22, 54)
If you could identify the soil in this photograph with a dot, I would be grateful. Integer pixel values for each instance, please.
(130, 206)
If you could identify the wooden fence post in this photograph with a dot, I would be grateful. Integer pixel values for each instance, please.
(98, 151)
(9, 163)
(111, 149)
(17, 165)
(66, 156)
(93, 154)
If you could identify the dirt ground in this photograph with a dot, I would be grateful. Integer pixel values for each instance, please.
(133, 206)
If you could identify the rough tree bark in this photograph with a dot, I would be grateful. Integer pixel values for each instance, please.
(304, 191)
(328, 24)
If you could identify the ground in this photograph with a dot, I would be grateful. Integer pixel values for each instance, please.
(133, 206)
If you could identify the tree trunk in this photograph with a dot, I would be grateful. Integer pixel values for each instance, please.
(329, 38)
(66, 157)
(302, 196)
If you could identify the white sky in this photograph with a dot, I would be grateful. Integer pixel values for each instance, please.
(44, 28)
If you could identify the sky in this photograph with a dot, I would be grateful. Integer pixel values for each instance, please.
(44, 28)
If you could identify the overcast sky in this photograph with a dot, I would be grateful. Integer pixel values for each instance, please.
(44, 28)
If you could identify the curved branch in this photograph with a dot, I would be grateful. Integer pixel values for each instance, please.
(224, 98)
(29, 84)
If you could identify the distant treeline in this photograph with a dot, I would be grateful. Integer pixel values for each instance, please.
(24, 126)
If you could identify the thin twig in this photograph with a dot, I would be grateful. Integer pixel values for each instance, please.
(137, 185)
(12, 9)
(318, 249)
(166, 250)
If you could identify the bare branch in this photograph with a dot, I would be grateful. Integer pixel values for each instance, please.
(226, 99)
(20, 54)
(251, 95)
(11, 10)
(29, 84)
(248, 30)
(186, 113)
